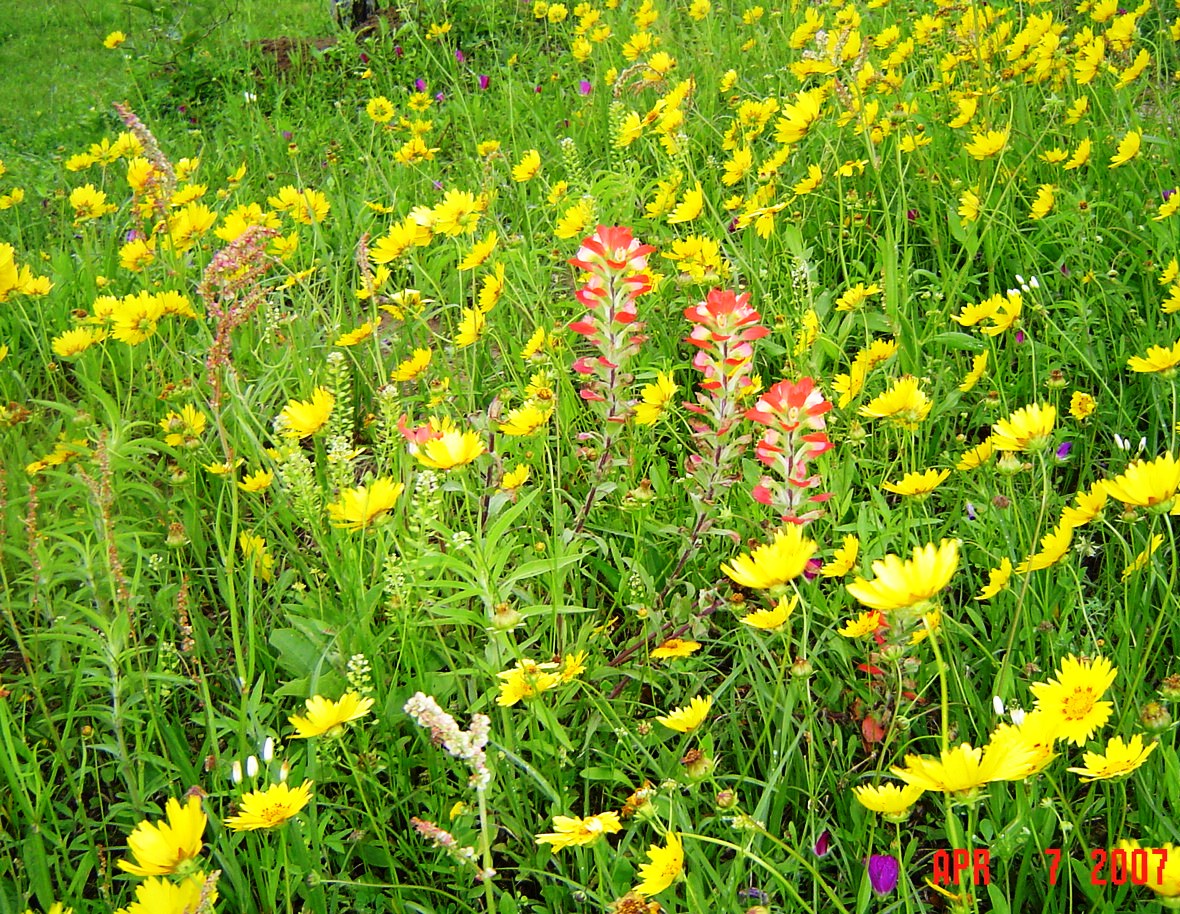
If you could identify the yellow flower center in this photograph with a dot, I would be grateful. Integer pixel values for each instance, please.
(1078, 704)
(275, 814)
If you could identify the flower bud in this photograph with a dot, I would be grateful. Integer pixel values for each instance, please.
(1155, 717)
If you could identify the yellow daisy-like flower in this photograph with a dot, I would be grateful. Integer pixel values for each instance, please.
(528, 167)
(257, 482)
(328, 718)
(655, 399)
(978, 367)
(1054, 546)
(569, 831)
(689, 207)
(1140, 561)
(976, 457)
(409, 369)
(985, 145)
(890, 800)
(271, 807)
(675, 647)
(113, 40)
(515, 478)
(1119, 759)
(359, 335)
(525, 420)
(997, 580)
(301, 418)
(690, 717)
(964, 769)
(74, 342)
(1081, 405)
(904, 404)
(167, 847)
(902, 584)
(1128, 149)
(359, 507)
(864, 624)
(1028, 429)
(480, 251)
(1073, 697)
(843, 559)
(853, 298)
(1035, 736)
(771, 620)
(160, 896)
(1080, 156)
(1160, 360)
(525, 680)
(969, 206)
(918, 484)
(664, 866)
(471, 326)
(1147, 484)
(380, 110)
(774, 564)
(452, 449)
(1163, 876)
(1086, 506)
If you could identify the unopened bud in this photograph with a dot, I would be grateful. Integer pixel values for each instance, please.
(1155, 717)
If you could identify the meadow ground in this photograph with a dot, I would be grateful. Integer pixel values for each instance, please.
(632, 456)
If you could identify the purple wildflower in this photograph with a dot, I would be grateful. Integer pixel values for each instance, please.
(483, 80)
(823, 844)
(584, 87)
(884, 871)
(459, 57)
(419, 85)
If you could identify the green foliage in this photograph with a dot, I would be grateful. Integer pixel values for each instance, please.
(360, 448)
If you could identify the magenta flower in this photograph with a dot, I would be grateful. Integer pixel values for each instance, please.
(584, 87)
(884, 871)
(483, 80)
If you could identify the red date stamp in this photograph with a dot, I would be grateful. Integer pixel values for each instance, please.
(1117, 866)
(950, 866)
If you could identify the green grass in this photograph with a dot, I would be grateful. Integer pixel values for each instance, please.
(163, 621)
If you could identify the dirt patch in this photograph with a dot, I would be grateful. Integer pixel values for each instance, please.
(291, 55)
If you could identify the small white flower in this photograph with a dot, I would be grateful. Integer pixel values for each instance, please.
(268, 750)
(235, 773)
(251, 767)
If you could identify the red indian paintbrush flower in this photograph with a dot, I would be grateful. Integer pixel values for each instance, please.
(614, 263)
(794, 416)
